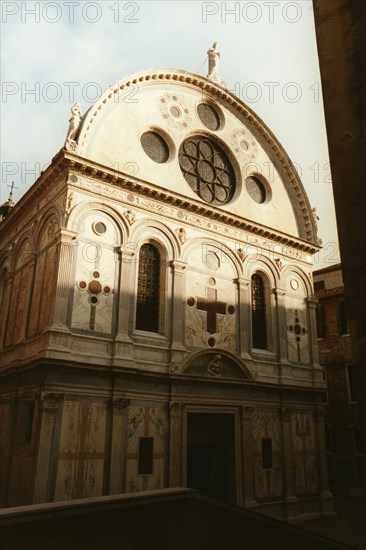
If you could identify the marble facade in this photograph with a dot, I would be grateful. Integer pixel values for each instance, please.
(91, 384)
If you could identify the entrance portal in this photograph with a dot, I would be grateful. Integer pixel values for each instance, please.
(211, 454)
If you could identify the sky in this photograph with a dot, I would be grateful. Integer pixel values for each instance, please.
(56, 53)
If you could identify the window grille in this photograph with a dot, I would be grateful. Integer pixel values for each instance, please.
(148, 289)
(208, 116)
(259, 314)
(207, 170)
(155, 147)
(256, 189)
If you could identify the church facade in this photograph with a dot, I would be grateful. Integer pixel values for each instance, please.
(157, 309)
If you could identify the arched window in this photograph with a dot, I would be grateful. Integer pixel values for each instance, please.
(148, 289)
(259, 314)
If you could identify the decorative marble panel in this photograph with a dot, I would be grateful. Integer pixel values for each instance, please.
(297, 331)
(146, 422)
(211, 302)
(81, 452)
(304, 454)
(268, 482)
(95, 278)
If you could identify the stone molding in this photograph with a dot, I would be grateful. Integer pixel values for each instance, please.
(166, 203)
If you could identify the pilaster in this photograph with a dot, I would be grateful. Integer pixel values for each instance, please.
(280, 296)
(48, 408)
(327, 499)
(244, 317)
(176, 444)
(64, 284)
(314, 353)
(118, 464)
(288, 474)
(248, 456)
(126, 293)
(178, 299)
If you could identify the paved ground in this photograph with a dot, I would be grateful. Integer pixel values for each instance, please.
(348, 527)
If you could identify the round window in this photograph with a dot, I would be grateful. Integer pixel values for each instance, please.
(208, 116)
(207, 169)
(99, 228)
(256, 189)
(155, 147)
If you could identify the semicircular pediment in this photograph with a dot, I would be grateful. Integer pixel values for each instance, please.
(186, 134)
(216, 364)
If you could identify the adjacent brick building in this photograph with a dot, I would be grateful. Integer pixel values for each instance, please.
(346, 450)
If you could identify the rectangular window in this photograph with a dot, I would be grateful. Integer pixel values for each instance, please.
(342, 318)
(266, 453)
(318, 285)
(146, 450)
(320, 322)
(26, 419)
(352, 376)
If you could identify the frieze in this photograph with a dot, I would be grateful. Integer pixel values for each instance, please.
(127, 197)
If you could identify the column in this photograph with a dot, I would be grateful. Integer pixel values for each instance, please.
(66, 262)
(48, 408)
(314, 354)
(244, 322)
(177, 311)
(281, 320)
(176, 445)
(288, 474)
(248, 456)
(118, 462)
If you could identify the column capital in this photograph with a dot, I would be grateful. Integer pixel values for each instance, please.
(319, 415)
(50, 401)
(247, 412)
(279, 292)
(241, 282)
(286, 414)
(178, 265)
(66, 236)
(176, 408)
(120, 405)
(312, 301)
(127, 252)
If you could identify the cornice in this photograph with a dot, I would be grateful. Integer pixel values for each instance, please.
(146, 189)
(329, 292)
(65, 162)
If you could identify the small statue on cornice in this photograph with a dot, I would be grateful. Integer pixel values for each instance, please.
(316, 220)
(74, 125)
(213, 64)
(69, 203)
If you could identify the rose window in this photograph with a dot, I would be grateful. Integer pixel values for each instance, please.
(207, 170)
